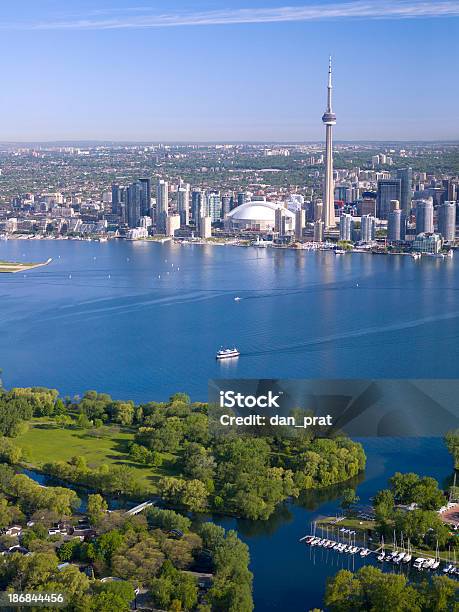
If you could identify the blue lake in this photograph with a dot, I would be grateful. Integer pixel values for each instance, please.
(142, 321)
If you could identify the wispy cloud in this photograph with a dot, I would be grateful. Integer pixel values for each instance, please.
(143, 18)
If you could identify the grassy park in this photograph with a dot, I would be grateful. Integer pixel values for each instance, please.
(45, 442)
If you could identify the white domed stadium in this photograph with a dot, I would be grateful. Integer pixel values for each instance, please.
(257, 215)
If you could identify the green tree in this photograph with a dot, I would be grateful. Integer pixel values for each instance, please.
(97, 507)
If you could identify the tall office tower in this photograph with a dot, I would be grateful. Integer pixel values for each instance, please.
(281, 221)
(133, 198)
(367, 228)
(172, 224)
(123, 212)
(424, 217)
(329, 119)
(396, 223)
(162, 205)
(319, 231)
(183, 204)
(214, 206)
(405, 175)
(198, 197)
(346, 224)
(388, 189)
(205, 227)
(367, 205)
(447, 221)
(318, 210)
(116, 200)
(227, 200)
(145, 196)
(340, 192)
(241, 198)
(300, 217)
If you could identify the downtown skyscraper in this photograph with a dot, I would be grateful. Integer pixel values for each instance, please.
(329, 119)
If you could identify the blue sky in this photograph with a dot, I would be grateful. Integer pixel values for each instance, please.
(239, 70)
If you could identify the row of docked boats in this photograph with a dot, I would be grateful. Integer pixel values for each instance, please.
(427, 564)
(340, 547)
(395, 557)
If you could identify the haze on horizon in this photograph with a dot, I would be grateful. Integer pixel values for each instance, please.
(191, 71)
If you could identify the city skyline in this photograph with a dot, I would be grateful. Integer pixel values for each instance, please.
(205, 73)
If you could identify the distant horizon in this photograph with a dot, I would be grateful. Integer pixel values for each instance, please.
(96, 141)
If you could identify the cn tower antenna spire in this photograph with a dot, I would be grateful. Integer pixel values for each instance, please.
(330, 85)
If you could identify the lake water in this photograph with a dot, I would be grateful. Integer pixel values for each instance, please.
(142, 321)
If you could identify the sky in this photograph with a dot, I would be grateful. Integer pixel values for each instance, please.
(234, 70)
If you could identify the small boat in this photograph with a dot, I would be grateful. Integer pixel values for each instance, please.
(435, 565)
(237, 299)
(381, 556)
(340, 252)
(416, 255)
(399, 558)
(228, 354)
(419, 563)
(448, 569)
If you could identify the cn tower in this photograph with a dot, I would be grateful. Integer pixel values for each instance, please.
(329, 119)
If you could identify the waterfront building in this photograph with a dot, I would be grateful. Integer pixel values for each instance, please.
(205, 227)
(162, 205)
(428, 243)
(318, 210)
(319, 231)
(183, 204)
(405, 175)
(447, 221)
(227, 204)
(214, 206)
(329, 120)
(367, 228)
(424, 216)
(133, 209)
(258, 215)
(280, 220)
(299, 223)
(388, 189)
(346, 225)
(198, 197)
(136, 233)
(145, 196)
(172, 224)
(396, 224)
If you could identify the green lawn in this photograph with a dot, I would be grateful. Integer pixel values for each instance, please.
(44, 442)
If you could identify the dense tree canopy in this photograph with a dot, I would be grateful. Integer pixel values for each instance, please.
(373, 590)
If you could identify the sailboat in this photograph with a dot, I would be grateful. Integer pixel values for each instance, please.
(382, 554)
(436, 563)
(407, 558)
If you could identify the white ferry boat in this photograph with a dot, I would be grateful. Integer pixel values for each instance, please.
(228, 354)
